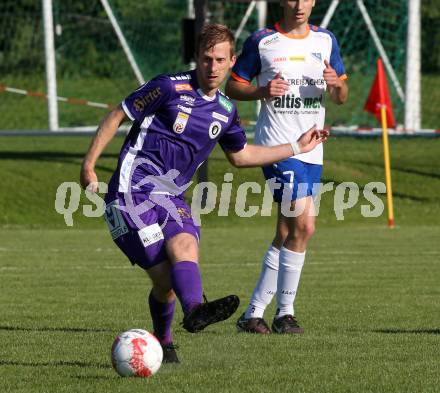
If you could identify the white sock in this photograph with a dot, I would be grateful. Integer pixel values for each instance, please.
(291, 264)
(266, 285)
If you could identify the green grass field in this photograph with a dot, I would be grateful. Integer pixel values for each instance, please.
(369, 297)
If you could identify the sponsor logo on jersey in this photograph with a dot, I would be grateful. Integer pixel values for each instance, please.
(214, 129)
(115, 221)
(283, 59)
(188, 99)
(297, 58)
(183, 86)
(291, 101)
(219, 116)
(271, 41)
(180, 122)
(140, 103)
(184, 109)
(317, 56)
(307, 82)
(225, 103)
(150, 234)
(183, 212)
(180, 77)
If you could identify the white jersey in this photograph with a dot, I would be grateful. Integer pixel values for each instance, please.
(300, 60)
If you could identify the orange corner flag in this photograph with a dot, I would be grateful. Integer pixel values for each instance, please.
(380, 96)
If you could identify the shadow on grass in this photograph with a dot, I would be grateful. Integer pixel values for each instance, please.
(395, 194)
(55, 363)
(397, 168)
(93, 377)
(408, 331)
(55, 329)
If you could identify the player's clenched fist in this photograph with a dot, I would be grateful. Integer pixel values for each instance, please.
(276, 87)
(330, 76)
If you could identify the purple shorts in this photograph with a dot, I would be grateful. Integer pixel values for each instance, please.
(142, 225)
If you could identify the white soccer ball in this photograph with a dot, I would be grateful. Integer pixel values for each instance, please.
(136, 353)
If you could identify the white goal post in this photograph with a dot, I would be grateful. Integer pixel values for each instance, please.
(51, 73)
(413, 68)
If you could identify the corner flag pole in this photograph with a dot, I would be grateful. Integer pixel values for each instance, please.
(386, 149)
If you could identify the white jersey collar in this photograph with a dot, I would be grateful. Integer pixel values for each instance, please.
(205, 96)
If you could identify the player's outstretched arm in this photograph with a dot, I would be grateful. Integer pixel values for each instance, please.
(253, 155)
(246, 92)
(104, 134)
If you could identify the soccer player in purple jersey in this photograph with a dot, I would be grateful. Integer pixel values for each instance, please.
(177, 121)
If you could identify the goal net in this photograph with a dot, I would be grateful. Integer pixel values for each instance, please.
(94, 67)
(389, 20)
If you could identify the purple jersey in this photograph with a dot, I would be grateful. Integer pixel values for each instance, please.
(175, 128)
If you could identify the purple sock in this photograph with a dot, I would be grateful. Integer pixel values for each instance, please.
(187, 284)
(162, 316)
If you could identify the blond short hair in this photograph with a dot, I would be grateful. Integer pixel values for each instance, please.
(213, 34)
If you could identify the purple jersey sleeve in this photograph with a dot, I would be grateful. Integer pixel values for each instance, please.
(148, 98)
(234, 138)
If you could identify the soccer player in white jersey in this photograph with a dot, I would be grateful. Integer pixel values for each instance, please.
(294, 64)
